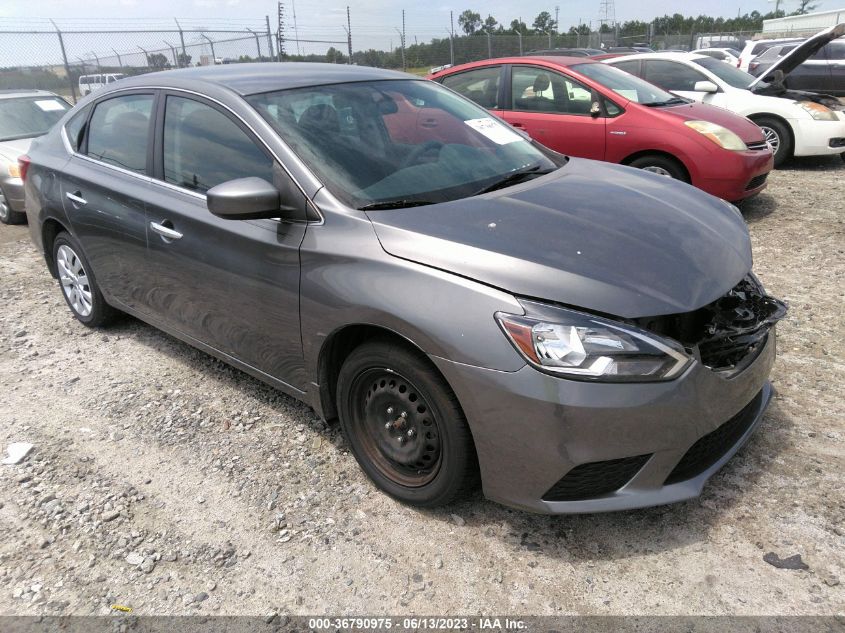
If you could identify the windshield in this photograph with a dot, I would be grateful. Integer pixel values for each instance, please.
(26, 117)
(624, 84)
(727, 73)
(402, 141)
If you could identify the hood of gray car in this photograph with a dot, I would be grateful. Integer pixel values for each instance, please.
(10, 150)
(601, 237)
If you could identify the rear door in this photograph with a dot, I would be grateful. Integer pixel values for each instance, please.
(104, 185)
(554, 109)
(836, 57)
(230, 284)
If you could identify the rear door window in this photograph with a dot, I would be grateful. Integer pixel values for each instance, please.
(118, 133)
(481, 85)
(672, 75)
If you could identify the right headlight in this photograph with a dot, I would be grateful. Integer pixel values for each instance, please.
(582, 346)
(720, 135)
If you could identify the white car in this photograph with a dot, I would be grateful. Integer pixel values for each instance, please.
(729, 55)
(795, 123)
(755, 48)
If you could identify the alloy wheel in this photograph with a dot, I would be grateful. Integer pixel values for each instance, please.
(4, 208)
(772, 138)
(657, 170)
(396, 427)
(74, 280)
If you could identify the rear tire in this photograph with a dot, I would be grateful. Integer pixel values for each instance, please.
(405, 426)
(78, 285)
(661, 165)
(7, 216)
(778, 136)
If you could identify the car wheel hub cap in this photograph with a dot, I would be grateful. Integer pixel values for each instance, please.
(772, 138)
(4, 206)
(397, 428)
(654, 169)
(74, 280)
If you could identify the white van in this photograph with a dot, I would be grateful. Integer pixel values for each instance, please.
(90, 83)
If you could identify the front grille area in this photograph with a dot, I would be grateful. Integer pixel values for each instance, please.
(729, 331)
(756, 182)
(758, 146)
(595, 479)
(710, 448)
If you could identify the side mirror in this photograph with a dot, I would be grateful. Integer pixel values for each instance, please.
(705, 86)
(595, 109)
(244, 199)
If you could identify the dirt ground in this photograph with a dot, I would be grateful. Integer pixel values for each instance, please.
(167, 482)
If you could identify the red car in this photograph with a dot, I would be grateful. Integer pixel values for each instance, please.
(583, 108)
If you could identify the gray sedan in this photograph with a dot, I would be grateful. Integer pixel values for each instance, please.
(24, 115)
(578, 336)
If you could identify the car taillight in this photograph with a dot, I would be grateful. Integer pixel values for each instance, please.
(23, 165)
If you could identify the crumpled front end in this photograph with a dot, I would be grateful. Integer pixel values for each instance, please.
(556, 445)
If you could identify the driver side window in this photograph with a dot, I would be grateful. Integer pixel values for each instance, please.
(536, 89)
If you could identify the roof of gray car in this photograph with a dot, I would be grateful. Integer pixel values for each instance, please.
(15, 93)
(266, 77)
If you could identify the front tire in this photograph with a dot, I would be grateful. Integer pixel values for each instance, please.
(7, 216)
(661, 165)
(76, 280)
(778, 137)
(404, 425)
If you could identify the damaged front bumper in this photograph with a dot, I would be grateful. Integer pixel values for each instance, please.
(552, 445)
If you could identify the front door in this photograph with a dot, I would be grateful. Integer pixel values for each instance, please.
(230, 284)
(555, 110)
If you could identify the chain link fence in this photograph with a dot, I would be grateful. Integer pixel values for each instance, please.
(56, 60)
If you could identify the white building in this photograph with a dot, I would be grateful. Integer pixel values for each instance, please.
(803, 24)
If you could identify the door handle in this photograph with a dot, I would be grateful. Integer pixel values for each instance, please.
(76, 198)
(166, 232)
(518, 126)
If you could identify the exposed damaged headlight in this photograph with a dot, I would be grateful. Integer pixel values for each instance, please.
(583, 346)
(818, 111)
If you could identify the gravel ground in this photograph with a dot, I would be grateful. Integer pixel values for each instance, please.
(166, 481)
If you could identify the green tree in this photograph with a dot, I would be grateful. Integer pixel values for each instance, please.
(489, 25)
(518, 26)
(805, 7)
(334, 56)
(184, 60)
(469, 21)
(158, 61)
(544, 22)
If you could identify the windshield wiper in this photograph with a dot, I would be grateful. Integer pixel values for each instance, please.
(672, 101)
(394, 204)
(514, 177)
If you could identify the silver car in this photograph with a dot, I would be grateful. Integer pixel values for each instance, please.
(24, 114)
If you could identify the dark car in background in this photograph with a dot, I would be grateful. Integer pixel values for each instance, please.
(824, 71)
(583, 336)
(24, 115)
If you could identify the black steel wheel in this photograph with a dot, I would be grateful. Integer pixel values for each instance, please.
(404, 425)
